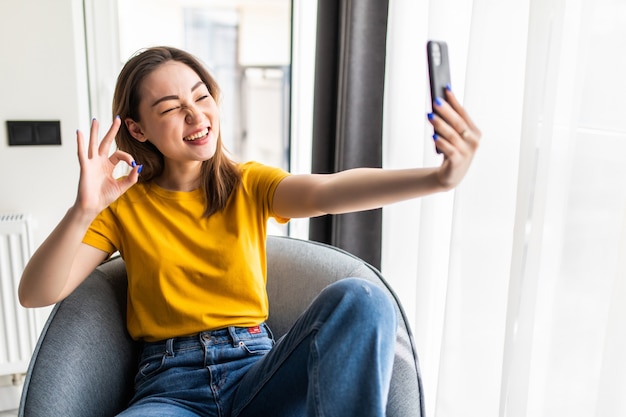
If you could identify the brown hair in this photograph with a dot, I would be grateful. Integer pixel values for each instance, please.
(219, 175)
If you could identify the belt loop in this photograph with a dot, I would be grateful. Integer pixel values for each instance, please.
(269, 331)
(233, 335)
(169, 347)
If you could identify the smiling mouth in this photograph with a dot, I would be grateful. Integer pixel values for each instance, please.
(196, 136)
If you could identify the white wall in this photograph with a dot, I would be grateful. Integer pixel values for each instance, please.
(42, 77)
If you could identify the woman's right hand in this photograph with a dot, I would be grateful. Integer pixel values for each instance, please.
(97, 188)
(62, 261)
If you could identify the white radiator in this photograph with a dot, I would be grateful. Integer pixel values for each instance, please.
(19, 327)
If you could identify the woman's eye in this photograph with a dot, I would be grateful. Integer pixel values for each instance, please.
(170, 109)
(203, 97)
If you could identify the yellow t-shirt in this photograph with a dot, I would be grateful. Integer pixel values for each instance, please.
(188, 273)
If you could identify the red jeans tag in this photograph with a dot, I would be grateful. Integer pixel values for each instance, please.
(254, 330)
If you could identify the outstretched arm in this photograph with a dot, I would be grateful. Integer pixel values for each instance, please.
(368, 188)
(62, 261)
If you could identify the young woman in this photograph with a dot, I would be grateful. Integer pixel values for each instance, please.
(190, 224)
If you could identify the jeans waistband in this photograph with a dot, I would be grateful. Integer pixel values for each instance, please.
(229, 335)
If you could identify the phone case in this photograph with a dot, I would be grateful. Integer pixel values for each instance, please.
(438, 68)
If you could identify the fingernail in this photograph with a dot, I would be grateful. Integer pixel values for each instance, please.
(117, 117)
(133, 164)
(431, 116)
(139, 169)
(435, 137)
(438, 101)
(448, 87)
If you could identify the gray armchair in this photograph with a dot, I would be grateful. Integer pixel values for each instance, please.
(84, 363)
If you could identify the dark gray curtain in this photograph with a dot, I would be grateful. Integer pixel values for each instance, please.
(348, 112)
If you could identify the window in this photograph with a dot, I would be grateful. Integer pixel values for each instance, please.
(246, 45)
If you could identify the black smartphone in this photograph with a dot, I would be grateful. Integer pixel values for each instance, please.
(438, 68)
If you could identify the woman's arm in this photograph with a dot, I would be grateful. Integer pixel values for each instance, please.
(62, 261)
(351, 190)
(368, 188)
(60, 264)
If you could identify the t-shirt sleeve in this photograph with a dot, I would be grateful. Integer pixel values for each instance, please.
(262, 181)
(100, 232)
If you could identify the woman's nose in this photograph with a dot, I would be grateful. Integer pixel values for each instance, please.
(191, 114)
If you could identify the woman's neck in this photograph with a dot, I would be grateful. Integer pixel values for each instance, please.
(180, 178)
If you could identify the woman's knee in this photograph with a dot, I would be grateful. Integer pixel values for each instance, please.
(363, 300)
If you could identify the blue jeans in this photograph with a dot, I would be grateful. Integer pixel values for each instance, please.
(335, 361)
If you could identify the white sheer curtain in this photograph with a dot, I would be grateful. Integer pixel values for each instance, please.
(516, 279)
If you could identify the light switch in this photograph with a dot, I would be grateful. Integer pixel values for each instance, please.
(23, 133)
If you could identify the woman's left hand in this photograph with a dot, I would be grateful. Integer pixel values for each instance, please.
(457, 138)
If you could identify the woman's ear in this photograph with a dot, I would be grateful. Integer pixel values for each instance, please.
(135, 129)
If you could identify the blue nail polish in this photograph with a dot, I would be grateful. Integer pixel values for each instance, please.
(448, 87)
(139, 170)
(435, 137)
(133, 164)
(438, 101)
(117, 117)
(431, 116)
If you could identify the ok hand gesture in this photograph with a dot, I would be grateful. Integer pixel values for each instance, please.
(97, 188)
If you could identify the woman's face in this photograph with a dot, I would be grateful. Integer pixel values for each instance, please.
(178, 115)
